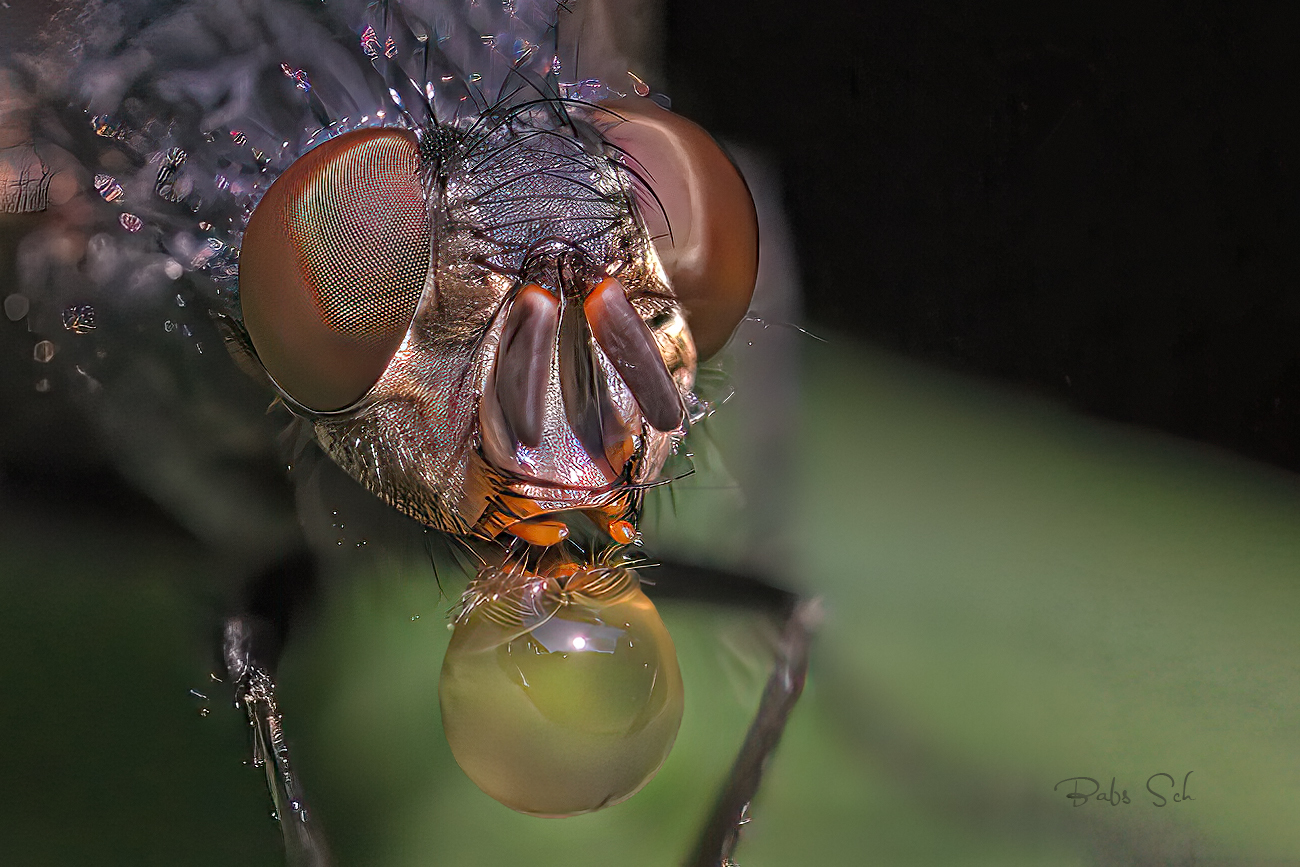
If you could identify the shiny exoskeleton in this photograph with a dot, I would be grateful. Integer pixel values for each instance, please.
(537, 359)
(482, 281)
(479, 326)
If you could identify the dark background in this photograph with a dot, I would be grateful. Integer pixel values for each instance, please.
(1094, 201)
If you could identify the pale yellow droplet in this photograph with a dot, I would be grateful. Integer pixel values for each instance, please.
(568, 716)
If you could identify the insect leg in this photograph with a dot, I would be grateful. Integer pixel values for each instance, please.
(799, 618)
(250, 646)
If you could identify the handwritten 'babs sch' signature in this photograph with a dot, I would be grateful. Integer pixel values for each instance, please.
(1162, 786)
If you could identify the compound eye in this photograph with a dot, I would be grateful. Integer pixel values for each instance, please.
(559, 700)
(711, 253)
(333, 265)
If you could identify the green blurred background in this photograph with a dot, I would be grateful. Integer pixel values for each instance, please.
(1015, 595)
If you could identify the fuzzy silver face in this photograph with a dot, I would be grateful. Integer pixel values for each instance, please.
(531, 198)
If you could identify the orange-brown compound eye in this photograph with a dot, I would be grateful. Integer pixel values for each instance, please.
(333, 265)
(711, 257)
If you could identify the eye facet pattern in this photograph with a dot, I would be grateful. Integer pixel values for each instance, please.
(560, 698)
(334, 263)
(700, 215)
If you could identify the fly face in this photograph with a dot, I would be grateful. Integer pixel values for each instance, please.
(489, 314)
(496, 298)
(478, 325)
